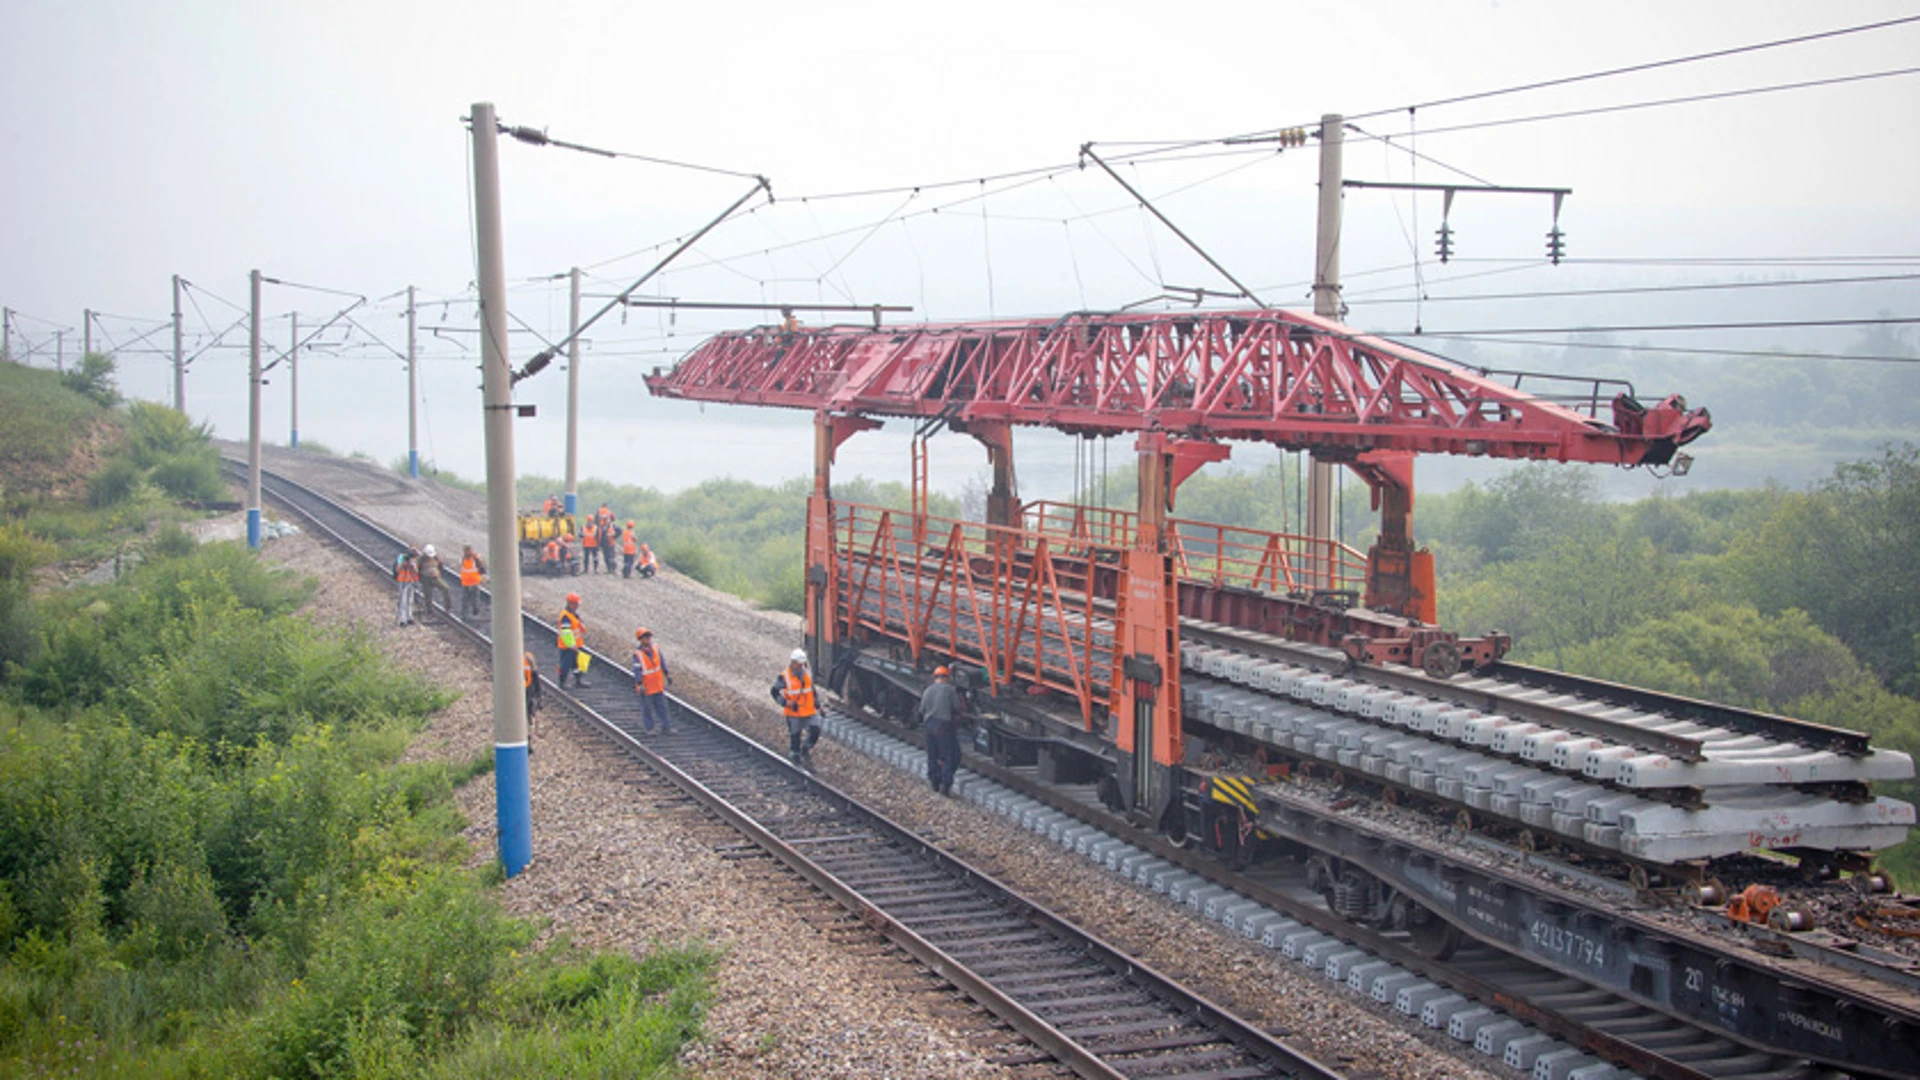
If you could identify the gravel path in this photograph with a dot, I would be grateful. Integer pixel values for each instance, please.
(610, 869)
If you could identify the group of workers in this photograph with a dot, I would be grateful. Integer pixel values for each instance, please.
(941, 706)
(940, 711)
(417, 573)
(597, 541)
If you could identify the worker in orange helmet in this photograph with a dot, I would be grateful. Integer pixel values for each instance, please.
(571, 639)
(940, 713)
(793, 692)
(628, 549)
(650, 679)
(550, 556)
(648, 565)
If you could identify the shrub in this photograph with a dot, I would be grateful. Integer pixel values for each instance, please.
(92, 378)
(190, 475)
(158, 432)
(172, 542)
(113, 484)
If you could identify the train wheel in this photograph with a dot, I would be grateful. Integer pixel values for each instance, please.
(1432, 936)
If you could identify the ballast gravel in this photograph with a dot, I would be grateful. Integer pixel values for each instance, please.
(613, 871)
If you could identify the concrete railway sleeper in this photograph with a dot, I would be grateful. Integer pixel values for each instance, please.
(1085, 1004)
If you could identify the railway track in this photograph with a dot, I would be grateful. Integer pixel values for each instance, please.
(1080, 1001)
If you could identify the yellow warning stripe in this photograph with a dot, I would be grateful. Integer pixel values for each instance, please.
(1237, 790)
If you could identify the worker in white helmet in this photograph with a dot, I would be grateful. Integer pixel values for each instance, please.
(793, 692)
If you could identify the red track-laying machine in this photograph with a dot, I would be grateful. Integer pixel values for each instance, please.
(1017, 595)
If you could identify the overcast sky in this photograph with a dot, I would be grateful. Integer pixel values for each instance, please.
(322, 143)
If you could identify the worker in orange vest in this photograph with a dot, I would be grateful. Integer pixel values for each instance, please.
(647, 564)
(628, 549)
(604, 516)
(571, 639)
(566, 554)
(533, 695)
(793, 691)
(550, 556)
(406, 575)
(471, 571)
(590, 545)
(650, 679)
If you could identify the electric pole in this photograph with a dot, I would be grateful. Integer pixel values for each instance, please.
(413, 397)
(293, 376)
(1321, 478)
(6, 334)
(573, 392)
(512, 799)
(86, 332)
(253, 417)
(179, 360)
(60, 351)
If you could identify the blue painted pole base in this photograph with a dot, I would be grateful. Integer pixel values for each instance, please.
(513, 806)
(293, 439)
(253, 528)
(413, 464)
(573, 502)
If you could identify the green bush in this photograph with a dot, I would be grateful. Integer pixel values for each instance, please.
(172, 542)
(194, 475)
(157, 433)
(113, 484)
(92, 378)
(20, 553)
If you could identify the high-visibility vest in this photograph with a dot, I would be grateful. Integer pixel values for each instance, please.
(646, 555)
(798, 693)
(407, 572)
(552, 552)
(469, 570)
(627, 543)
(653, 675)
(589, 539)
(549, 506)
(529, 671)
(571, 631)
(606, 516)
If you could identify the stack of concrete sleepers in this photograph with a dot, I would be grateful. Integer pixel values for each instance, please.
(1603, 791)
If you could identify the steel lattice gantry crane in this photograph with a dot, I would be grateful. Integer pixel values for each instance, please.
(1184, 384)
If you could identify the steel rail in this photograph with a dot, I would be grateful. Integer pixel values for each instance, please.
(1081, 1059)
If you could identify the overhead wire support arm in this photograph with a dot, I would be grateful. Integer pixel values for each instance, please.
(545, 356)
(1086, 151)
(784, 309)
(323, 328)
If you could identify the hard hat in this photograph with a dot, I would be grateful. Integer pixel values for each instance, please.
(940, 672)
(427, 551)
(642, 632)
(799, 656)
(573, 598)
(629, 523)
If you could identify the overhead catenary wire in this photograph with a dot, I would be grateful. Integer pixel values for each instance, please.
(1650, 328)
(1629, 290)
(1678, 350)
(1605, 73)
(1684, 99)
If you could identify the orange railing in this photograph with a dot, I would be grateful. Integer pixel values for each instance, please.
(1220, 556)
(988, 593)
